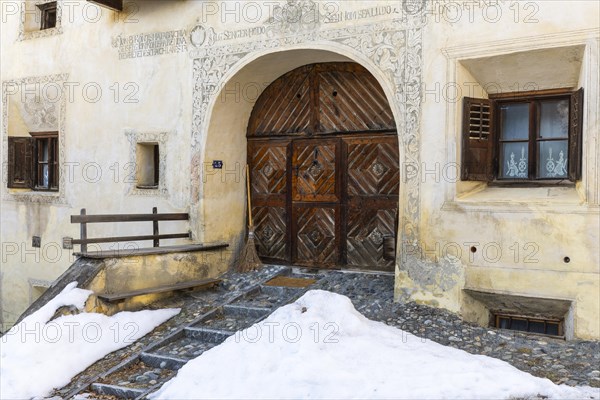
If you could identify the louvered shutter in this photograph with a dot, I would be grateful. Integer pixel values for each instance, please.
(20, 151)
(477, 163)
(575, 135)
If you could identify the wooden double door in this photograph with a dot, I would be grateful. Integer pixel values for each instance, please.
(323, 158)
(326, 202)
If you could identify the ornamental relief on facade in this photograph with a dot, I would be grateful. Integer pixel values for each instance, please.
(393, 45)
(41, 112)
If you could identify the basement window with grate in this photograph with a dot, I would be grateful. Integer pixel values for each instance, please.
(523, 137)
(549, 327)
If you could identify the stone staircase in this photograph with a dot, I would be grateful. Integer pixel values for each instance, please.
(148, 370)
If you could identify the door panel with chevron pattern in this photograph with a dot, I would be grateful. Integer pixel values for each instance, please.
(352, 101)
(324, 162)
(314, 170)
(373, 179)
(271, 232)
(268, 176)
(316, 238)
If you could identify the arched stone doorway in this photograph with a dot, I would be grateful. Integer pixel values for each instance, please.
(324, 162)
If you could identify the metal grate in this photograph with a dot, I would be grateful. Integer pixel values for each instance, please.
(550, 327)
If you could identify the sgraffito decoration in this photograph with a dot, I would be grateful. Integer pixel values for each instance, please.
(42, 114)
(393, 45)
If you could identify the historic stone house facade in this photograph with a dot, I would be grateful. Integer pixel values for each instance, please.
(453, 144)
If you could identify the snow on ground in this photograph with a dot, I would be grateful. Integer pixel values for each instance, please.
(321, 347)
(38, 355)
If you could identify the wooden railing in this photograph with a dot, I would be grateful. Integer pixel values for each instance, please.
(83, 219)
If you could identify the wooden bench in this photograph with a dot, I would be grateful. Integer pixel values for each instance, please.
(116, 297)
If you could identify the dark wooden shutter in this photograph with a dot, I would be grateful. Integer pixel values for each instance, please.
(112, 4)
(478, 140)
(575, 135)
(20, 150)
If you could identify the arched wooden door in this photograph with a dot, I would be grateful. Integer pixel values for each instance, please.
(323, 156)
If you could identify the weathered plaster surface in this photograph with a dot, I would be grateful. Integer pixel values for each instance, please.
(201, 94)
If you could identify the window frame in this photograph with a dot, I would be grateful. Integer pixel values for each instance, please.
(53, 160)
(46, 10)
(480, 154)
(528, 319)
(533, 99)
(155, 166)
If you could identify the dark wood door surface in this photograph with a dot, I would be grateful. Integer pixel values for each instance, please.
(323, 157)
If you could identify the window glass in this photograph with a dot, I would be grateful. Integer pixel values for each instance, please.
(504, 323)
(552, 328)
(515, 121)
(554, 119)
(44, 179)
(537, 326)
(515, 163)
(519, 324)
(553, 159)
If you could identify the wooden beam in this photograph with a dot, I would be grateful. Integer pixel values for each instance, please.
(131, 238)
(108, 297)
(77, 219)
(149, 251)
(155, 232)
(116, 5)
(83, 231)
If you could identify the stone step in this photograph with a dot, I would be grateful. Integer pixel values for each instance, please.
(186, 348)
(132, 379)
(267, 297)
(231, 318)
(117, 391)
(162, 361)
(136, 376)
(245, 311)
(209, 335)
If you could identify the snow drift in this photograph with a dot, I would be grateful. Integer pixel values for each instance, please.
(321, 347)
(38, 355)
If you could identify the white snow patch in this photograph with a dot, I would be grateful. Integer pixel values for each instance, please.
(321, 347)
(38, 355)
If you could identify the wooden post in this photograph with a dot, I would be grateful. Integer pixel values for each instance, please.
(83, 232)
(155, 228)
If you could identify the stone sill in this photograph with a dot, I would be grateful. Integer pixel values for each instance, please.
(564, 200)
(34, 196)
(29, 192)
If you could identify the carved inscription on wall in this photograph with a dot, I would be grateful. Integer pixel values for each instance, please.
(150, 44)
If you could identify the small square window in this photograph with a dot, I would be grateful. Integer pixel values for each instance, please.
(48, 17)
(147, 165)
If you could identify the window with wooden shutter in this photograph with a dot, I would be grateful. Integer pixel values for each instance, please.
(575, 135)
(478, 140)
(522, 137)
(20, 161)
